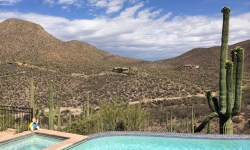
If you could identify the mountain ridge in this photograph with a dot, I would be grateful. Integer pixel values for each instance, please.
(28, 42)
(24, 41)
(207, 57)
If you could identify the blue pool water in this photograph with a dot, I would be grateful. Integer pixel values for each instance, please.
(31, 142)
(160, 143)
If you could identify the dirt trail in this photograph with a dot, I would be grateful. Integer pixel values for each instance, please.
(169, 98)
(74, 110)
(77, 110)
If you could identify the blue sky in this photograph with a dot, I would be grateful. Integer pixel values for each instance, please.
(144, 29)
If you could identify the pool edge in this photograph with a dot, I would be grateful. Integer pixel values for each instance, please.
(70, 140)
(170, 134)
(163, 134)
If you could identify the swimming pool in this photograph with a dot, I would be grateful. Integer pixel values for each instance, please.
(31, 142)
(162, 142)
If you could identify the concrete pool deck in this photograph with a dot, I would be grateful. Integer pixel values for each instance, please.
(8, 132)
(71, 138)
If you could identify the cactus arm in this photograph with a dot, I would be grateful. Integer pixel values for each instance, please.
(229, 78)
(234, 60)
(205, 121)
(56, 111)
(239, 74)
(216, 104)
(43, 112)
(210, 101)
(223, 56)
(38, 112)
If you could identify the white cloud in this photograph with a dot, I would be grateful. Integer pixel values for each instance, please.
(48, 1)
(78, 5)
(133, 1)
(141, 32)
(112, 6)
(68, 2)
(101, 3)
(129, 12)
(9, 2)
(65, 3)
(65, 7)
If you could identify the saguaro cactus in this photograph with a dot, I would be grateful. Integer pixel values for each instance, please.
(208, 128)
(230, 94)
(52, 111)
(83, 114)
(167, 120)
(70, 114)
(87, 114)
(192, 120)
(32, 92)
(186, 125)
(171, 121)
(59, 115)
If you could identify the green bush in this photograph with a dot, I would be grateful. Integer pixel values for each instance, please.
(119, 70)
(112, 117)
(22, 127)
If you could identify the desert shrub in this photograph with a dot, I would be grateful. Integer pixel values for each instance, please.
(5, 120)
(21, 127)
(119, 70)
(84, 127)
(112, 117)
(116, 116)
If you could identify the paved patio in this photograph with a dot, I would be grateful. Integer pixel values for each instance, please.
(8, 132)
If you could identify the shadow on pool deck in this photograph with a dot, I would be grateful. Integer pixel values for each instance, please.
(71, 138)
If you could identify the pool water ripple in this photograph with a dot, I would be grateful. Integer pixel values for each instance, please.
(31, 142)
(162, 141)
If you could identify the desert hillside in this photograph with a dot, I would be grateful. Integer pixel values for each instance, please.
(80, 70)
(23, 41)
(207, 57)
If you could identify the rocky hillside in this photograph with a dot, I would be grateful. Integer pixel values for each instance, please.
(207, 57)
(23, 41)
(80, 69)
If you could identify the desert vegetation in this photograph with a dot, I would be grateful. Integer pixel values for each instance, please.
(72, 88)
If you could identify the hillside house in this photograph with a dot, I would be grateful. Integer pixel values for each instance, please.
(189, 67)
(124, 70)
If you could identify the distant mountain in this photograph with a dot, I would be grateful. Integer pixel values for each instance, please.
(24, 41)
(207, 57)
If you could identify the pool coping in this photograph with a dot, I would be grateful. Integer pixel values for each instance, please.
(71, 139)
(170, 134)
(164, 134)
